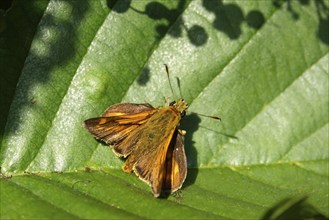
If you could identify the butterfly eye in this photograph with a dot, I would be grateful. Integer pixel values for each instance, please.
(182, 114)
(172, 103)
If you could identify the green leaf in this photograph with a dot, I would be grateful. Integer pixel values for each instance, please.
(262, 66)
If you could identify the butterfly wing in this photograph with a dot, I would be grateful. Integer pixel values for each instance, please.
(127, 109)
(148, 156)
(151, 167)
(176, 166)
(118, 121)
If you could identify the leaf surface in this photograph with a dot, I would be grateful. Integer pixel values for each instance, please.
(262, 66)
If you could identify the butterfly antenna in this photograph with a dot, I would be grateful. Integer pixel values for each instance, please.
(208, 116)
(180, 90)
(167, 70)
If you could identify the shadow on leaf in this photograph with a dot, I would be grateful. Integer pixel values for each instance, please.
(53, 53)
(191, 124)
(322, 10)
(293, 208)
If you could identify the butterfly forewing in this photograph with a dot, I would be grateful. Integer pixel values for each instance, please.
(148, 156)
(118, 121)
(154, 173)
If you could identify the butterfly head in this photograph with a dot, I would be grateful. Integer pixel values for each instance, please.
(181, 106)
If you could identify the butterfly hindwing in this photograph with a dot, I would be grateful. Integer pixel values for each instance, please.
(175, 163)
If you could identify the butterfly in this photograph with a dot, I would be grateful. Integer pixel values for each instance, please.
(149, 139)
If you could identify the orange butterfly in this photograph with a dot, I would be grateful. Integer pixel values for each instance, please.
(150, 140)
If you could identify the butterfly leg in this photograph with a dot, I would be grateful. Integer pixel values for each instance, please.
(167, 101)
(182, 132)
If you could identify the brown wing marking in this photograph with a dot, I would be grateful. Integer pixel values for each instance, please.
(176, 166)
